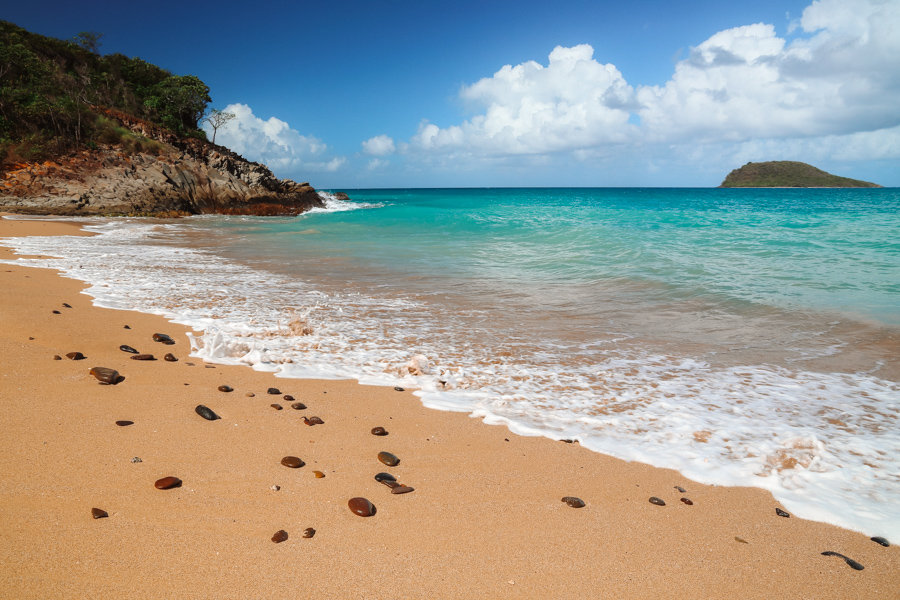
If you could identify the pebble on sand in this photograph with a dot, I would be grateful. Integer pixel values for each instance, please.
(124, 423)
(206, 413)
(276, 406)
(273, 391)
(250, 394)
(298, 406)
(881, 540)
(385, 478)
(280, 536)
(782, 513)
(687, 501)
(99, 513)
(402, 489)
(66, 305)
(657, 501)
(399, 389)
(573, 501)
(129, 349)
(853, 564)
(379, 431)
(319, 474)
(388, 459)
(292, 462)
(170, 358)
(361, 507)
(163, 338)
(309, 532)
(288, 398)
(105, 375)
(313, 421)
(226, 388)
(167, 483)
(143, 357)
(57, 357)
(75, 356)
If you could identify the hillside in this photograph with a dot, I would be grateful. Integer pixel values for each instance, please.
(785, 173)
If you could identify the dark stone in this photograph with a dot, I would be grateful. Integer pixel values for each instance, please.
(399, 389)
(136, 459)
(226, 388)
(167, 483)
(163, 338)
(402, 489)
(280, 536)
(680, 489)
(573, 501)
(143, 357)
(170, 357)
(107, 376)
(276, 406)
(298, 406)
(379, 431)
(313, 421)
(853, 564)
(56, 312)
(383, 477)
(782, 513)
(75, 356)
(273, 391)
(57, 357)
(127, 348)
(124, 423)
(65, 305)
(567, 441)
(206, 413)
(388, 459)
(126, 327)
(309, 532)
(657, 501)
(881, 540)
(99, 513)
(292, 462)
(687, 501)
(361, 507)
(288, 398)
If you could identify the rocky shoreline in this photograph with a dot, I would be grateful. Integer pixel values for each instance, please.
(173, 177)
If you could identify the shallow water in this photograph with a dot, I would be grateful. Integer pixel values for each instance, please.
(745, 337)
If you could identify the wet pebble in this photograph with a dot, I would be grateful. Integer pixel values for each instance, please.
(680, 489)
(99, 513)
(163, 339)
(388, 459)
(309, 532)
(853, 564)
(292, 462)
(319, 474)
(782, 513)
(687, 501)
(273, 391)
(402, 489)
(288, 398)
(383, 477)
(136, 459)
(170, 358)
(128, 349)
(881, 540)
(167, 483)
(206, 413)
(275, 488)
(124, 423)
(280, 536)
(105, 375)
(226, 388)
(250, 394)
(298, 406)
(567, 441)
(57, 357)
(379, 431)
(399, 389)
(313, 421)
(657, 501)
(56, 312)
(65, 305)
(573, 501)
(126, 327)
(143, 357)
(361, 507)
(75, 356)
(276, 406)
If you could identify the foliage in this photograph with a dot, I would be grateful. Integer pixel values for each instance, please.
(48, 88)
(785, 173)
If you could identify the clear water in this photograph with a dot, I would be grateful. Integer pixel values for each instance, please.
(743, 337)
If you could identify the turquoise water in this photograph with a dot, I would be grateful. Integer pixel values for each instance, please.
(743, 337)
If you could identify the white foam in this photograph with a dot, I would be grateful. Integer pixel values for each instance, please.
(826, 445)
(334, 204)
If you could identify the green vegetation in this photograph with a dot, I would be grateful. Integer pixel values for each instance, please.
(785, 173)
(51, 92)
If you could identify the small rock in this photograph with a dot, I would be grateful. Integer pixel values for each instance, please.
(273, 391)
(288, 398)
(104, 375)
(280, 536)
(573, 501)
(163, 338)
(56, 312)
(567, 441)
(402, 489)
(687, 501)
(275, 488)
(136, 459)
(99, 513)
(75, 356)
(853, 564)
(226, 388)
(65, 305)
(881, 540)
(57, 357)
(206, 413)
(388, 459)
(170, 358)
(657, 501)
(741, 540)
(298, 406)
(379, 431)
(127, 348)
(124, 423)
(383, 477)
(309, 532)
(680, 489)
(292, 462)
(143, 357)
(782, 513)
(167, 483)
(126, 327)
(250, 394)
(319, 474)
(399, 389)
(313, 421)
(361, 507)
(276, 406)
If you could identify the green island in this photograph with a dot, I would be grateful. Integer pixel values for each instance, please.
(788, 173)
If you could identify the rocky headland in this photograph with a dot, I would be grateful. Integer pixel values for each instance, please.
(788, 173)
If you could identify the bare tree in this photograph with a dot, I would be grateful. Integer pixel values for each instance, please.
(217, 118)
(89, 40)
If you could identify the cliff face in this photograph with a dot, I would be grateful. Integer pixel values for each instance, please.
(785, 173)
(175, 176)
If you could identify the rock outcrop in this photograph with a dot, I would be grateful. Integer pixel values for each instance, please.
(786, 173)
(173, 176)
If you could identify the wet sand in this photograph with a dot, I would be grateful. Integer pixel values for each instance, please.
(486, 518)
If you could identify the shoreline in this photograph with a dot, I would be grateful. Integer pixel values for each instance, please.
(479, 499)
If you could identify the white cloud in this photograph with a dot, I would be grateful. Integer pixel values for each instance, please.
(377, 164)
(836, 85)
(380, 145)
(272, 142)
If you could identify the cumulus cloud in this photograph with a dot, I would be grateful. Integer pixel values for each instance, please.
(839, 77)
(273, 142)
(380, 145)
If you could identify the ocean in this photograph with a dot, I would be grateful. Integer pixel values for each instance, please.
(740, 336)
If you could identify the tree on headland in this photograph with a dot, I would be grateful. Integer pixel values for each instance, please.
(88, 40)
(178, 102)
(217, 118)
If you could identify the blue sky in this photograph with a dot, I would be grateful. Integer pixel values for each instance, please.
(391, 93)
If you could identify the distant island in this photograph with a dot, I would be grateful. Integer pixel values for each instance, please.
(788, 173)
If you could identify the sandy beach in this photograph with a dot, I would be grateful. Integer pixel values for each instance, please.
(485, 519)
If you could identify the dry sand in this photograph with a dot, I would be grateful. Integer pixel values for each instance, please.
(485, 520)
